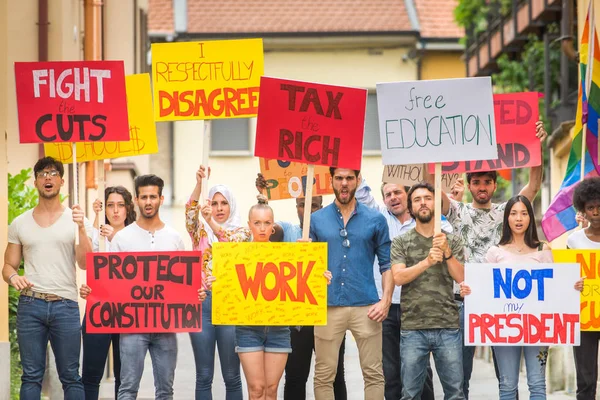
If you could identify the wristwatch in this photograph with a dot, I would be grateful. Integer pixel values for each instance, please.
(449, 257)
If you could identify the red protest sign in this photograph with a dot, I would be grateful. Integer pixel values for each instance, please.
(310, 123)
(145, 292)
(518, 147)
(71, 101)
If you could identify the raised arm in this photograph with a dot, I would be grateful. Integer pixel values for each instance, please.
(535, 173)
(85, 243)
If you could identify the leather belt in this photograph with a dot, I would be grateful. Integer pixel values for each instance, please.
(41, 296)
(457, 297)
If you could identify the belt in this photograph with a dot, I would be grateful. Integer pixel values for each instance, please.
(457, 297)
(41, 296)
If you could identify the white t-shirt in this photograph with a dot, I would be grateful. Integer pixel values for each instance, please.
(579, 240)
(49, 253)
(132, 238)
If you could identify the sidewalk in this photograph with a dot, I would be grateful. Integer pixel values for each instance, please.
(484, 385)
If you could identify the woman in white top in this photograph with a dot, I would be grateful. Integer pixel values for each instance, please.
(120, 212)
(586, 199)
(519, 244)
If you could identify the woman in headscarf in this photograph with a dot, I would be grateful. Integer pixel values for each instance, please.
(224, 213)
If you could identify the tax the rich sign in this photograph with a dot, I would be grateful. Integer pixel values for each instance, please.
(525, 305)
(310, 123)
(145, 292)
(516, 115)
(287, 180)
(436, 121)
(589, 262)
(71, 101)
(269, 284)
(206, 80)
(142, 130)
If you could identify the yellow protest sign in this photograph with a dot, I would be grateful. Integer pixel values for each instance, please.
(142, 130)
(206, 80)
(590, 297)
(269, 284)
(287, 179)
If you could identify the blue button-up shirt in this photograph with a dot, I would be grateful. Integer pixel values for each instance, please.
(353, 282)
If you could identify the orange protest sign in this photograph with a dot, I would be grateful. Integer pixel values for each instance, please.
(287, 179)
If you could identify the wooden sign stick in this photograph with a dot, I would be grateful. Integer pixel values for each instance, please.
(438, 198)
(205, 161)
(76, 190)
(310, 176)
(102, 215)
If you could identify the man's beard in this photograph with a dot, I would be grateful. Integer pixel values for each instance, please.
(48, 196)
(425, 218)
(350, 195)
(149, 216)
(481, 201)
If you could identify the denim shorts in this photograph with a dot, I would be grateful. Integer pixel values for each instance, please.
(270, 339)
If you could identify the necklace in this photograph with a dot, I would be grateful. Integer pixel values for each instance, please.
(519, 250)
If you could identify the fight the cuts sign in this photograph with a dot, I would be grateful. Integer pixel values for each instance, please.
(71, 101)
(145, 292)
(526, 305)
(269, 284)
(310, 123)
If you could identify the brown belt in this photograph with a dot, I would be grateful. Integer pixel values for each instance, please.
(41, 296)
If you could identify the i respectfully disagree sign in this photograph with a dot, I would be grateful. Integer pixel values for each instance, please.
(310, 123)
(287, 180)
(206, 80)
(589, 262)
(516, 115)
(71, 101)
(269, 284)
(527, 305)
(145, 292)
(142, 130)
(436, 121)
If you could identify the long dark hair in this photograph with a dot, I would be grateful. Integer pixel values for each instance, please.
(531, 236)
(131, 214)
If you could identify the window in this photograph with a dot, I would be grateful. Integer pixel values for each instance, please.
(230, 135)
(372, 141)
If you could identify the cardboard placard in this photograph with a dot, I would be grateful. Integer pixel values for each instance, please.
(144, 292)
(589, 261)
(436, 121)
(71, 101)
(142, 130)
(287, 180)
(206, 80)
(516, 115)
(525, 305)
(269, 284)
(310, 123)
(408, 175)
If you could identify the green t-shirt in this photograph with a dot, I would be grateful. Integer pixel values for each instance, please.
(428, 301)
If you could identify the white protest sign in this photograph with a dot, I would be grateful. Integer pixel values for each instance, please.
(436, 121)
(408, 175)
(526, 305)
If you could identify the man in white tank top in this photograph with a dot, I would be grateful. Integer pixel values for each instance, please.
(44, 237)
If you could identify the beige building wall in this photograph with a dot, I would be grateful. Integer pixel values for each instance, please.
(358, 68)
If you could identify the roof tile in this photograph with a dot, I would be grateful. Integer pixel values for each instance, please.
(436, 18)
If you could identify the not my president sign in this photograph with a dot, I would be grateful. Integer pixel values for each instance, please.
(145, 292)
(527, 305)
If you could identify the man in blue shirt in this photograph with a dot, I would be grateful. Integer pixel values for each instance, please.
(355, 235)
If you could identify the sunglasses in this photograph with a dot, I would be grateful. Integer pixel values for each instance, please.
(344, 234)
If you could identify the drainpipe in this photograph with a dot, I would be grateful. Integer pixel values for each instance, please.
(92, 51)
(42, 44)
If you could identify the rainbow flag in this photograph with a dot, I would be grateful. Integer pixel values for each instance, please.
(560, 216)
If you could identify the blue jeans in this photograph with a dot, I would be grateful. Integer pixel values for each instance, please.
(509, 361)
(163, 351)
(58, 321)
(203, 344)
(415, 349)
(468, 351)
(391, 358)
(95, 352)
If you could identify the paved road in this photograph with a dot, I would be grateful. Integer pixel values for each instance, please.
(483, 385)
